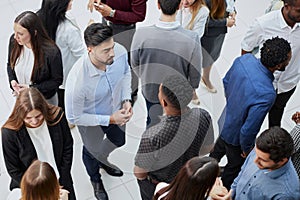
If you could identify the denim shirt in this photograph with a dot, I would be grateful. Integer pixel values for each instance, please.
(249, 96)
(254, 183)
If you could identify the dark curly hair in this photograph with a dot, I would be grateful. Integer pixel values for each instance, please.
(290, 2)
(178, 91)
(274, 51)
(277, 142)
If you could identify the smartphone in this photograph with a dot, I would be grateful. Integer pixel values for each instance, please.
(97, 5)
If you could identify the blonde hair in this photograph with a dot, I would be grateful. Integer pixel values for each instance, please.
(28, 100)
(217, 9)
(194, 9)
(39, 182)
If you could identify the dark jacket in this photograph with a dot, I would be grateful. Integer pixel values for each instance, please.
(19, 152)
(49, 77)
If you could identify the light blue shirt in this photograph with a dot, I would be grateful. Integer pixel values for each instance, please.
(92, 95)
(254, 183)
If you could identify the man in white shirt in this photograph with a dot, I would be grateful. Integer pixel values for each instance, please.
(285, 24)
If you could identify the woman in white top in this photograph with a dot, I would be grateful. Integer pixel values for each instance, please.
(62, 29)
(193, 15)
(37, 130)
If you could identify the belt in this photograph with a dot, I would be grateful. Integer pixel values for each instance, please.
(155, 182)
(120, 25)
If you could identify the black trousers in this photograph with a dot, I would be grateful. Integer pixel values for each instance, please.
(147, 189)
(61, 98)
(234, 160)
(276, 112)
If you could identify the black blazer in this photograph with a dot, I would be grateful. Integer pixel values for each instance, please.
(49, 77)
(19, 152)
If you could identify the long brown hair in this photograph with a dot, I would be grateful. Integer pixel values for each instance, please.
(217, 9)
(194, 9)
(194, 180)
(28, 100)
(39, 39)
(39, 182)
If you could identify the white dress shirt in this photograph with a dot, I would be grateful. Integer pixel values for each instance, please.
(271, 25)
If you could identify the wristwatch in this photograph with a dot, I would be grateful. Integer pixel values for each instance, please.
(112, 13)
(126, 100)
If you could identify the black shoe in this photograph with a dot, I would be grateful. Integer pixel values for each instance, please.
(111, 169)
(99, 191)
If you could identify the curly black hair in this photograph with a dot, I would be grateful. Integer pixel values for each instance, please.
(178, 91)
(277, 142)
(290, 2)
(274, 51)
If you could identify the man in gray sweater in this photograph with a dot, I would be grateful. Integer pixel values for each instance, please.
(163, 49)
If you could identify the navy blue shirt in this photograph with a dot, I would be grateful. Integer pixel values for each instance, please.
(249, 94)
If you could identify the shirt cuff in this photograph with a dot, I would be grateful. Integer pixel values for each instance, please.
(104, 120)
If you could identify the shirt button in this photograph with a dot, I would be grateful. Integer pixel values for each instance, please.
(244, 192)
(254, 176)
(249, 184)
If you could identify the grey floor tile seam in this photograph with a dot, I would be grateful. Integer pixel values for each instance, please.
(128, 190)
(7, 103)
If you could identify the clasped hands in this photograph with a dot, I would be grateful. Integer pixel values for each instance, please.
(122, 116)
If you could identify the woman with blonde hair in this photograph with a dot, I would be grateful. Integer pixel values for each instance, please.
(37, 130)
(193, 15)
(213, 38)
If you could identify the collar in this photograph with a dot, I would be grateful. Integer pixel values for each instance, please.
(282, 21)
(92, 70)
(278, 172)
(175, 117)
(167, 25)
(266, 70)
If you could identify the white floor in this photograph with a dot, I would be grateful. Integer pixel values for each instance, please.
(126, 187)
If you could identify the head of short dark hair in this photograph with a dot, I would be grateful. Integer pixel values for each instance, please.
(290, 2)
(169, 7)
(97, 33)
(177, 90)
(277, 142)
(274, 52)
